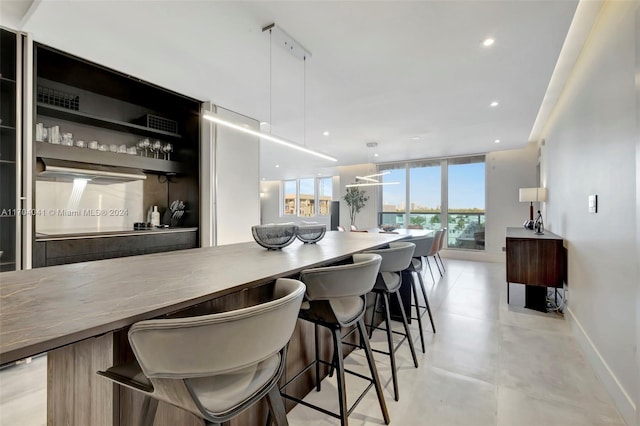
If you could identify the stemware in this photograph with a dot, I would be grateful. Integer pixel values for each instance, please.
(167, 150)
(156, 147)
(143, 145)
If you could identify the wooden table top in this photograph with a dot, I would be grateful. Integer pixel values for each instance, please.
(46, 308)
(530, 234)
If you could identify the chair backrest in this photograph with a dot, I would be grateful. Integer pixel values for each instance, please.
(397, 257)
(218, 343)
(435, 245)
(341, 228)
(354, 228)
(423, 245)
(332, 282)
(442, 237)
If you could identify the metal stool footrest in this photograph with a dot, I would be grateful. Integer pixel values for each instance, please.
(316, 407)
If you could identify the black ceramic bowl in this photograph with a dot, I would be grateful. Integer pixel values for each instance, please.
(274, 236)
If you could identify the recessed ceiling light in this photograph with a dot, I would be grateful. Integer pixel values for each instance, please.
(497, 141)
(262, 123)
(375, 155)
(415, 138)
(488, 42)
(494, 104)
(264, 178)
(277, 165)
(326, 133)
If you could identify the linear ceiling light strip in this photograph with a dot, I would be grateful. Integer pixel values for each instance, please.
(351, 185)
(269, 137)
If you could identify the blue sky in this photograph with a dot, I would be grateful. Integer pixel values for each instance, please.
(466, 186)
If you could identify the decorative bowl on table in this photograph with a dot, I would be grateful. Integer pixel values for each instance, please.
(312, 233)
(274, 236)
(387, 227)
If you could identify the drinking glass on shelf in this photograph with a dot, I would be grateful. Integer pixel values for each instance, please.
(143, 145)
(167, 150)
(156, 147)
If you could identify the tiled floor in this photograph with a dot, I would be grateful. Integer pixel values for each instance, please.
(488, 364)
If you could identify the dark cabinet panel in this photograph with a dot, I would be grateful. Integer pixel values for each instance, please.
(60, 252)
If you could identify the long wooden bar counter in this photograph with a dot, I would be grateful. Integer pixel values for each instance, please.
(79, 313)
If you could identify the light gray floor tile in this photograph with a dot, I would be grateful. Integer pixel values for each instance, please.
(488, 364)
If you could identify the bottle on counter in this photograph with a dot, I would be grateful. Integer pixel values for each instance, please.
(155, 217)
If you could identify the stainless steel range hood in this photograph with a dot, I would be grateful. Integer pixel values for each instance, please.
(63, 170)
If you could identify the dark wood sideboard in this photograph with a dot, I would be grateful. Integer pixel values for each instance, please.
(537, 261)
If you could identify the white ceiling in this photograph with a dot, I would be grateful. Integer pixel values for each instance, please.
(383, 71)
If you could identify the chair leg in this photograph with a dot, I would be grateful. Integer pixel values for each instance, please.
(373, 316)
(439, 257)
(149, 408)
(342, 394)
(373, 370)
(417, 305)
(406, 330)
(430, 270)
(317, 357)
(426, 303)
(435, 259)
(276, 407)
(387, 320)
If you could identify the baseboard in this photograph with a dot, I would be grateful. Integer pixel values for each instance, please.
(622, 400)
(478, 256)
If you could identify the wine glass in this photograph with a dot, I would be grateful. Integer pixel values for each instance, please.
(157, 148)
(143, 144)
(167, 150)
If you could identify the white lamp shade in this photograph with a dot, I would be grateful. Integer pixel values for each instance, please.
(533, 194)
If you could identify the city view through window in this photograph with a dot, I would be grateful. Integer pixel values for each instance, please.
(303, 193)
(425, 206)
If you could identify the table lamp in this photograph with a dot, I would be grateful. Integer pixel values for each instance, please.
(530, 195)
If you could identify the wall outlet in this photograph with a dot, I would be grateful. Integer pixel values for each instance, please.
(504, 248)
(566, 296)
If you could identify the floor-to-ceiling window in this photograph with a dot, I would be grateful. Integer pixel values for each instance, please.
(307, 196)
(465, 207)
(289, 192)
(325, 194)
(425, 195)
(433, 194)
(393, 195)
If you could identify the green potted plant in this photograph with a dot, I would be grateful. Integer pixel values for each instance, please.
(356, 200)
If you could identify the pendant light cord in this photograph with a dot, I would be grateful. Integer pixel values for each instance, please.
(304, 100)
(270, 81)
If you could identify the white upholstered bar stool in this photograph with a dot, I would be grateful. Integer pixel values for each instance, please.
(440, 245)
(335, 299)
(433, 252)
(214, 366)
(423, 247)
(395, 259)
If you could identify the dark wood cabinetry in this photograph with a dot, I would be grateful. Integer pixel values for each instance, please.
(534, 260)
(8, 145)
(72, 250)
(95, 103)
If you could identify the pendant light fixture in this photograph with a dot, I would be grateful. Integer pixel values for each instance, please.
(288, 43)
(370, 180)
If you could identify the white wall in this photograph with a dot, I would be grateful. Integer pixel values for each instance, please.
(368, 216)
(506, 173)
(590, 148)
(637, 24)
(237, 180)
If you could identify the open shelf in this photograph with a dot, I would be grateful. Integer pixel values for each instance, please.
(107, 123)
(86, 155)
